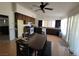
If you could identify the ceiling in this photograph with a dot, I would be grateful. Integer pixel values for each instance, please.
(60, 9)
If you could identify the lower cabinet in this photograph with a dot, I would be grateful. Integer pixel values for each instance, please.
(52, 31)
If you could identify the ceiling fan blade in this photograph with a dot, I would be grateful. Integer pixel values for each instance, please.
(49, 8)
(42, 3)
(46, 4)
(43, 10)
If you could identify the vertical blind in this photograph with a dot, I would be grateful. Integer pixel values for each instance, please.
(73, 33)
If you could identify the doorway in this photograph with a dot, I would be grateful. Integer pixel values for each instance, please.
(4, 27)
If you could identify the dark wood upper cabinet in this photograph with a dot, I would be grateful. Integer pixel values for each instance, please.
(26, 19)
(20, 17)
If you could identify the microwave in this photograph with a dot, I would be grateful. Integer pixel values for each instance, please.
(29, 30)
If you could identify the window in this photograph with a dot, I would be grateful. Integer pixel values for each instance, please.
(50, 23)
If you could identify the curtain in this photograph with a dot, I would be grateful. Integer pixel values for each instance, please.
(72, 36)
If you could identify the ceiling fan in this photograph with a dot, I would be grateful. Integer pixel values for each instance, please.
(43, 7)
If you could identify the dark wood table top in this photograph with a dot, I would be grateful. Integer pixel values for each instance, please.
(36, 41)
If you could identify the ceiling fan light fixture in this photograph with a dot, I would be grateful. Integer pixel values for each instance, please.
(42, 7)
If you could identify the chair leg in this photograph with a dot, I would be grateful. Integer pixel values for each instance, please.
(35, 53)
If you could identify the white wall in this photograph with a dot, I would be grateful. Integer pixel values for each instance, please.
(63, 27)
(25, 11)
(36, 22)
(5, 6)
(6, 9)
